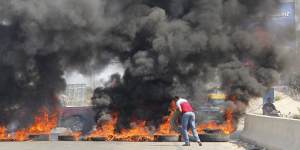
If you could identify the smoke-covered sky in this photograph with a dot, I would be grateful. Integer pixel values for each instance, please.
(297, 14)
(96, 78)
(167, 48)
(298, 20)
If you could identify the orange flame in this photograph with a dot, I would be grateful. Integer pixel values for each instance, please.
(227, 127)
(3, 134)
(42, 124)
(138, 133)
(21, 135)
(107, 130)
(165, 127)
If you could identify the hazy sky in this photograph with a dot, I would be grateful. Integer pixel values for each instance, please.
(77, 78)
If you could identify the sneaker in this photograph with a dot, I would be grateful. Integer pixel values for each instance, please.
(186, 144)
(199, 143)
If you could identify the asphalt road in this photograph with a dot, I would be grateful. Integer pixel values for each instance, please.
(114, 146)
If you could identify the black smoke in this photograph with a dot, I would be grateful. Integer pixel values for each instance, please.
(177, 47)
(168, 47)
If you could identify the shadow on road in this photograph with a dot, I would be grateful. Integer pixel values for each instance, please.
(247, 146)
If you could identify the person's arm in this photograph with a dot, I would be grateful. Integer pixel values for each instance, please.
(273, 107)
(179, 108)
(178, 105)
(174, 121)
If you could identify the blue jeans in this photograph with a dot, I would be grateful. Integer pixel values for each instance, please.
(188, 118)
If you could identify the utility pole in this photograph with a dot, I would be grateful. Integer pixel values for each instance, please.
(297, 24)
(293, 7)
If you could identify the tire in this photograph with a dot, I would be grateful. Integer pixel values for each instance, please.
(97, 138)
(66, 138)
(77, 124)
(39, 137)
(166, 138)
(7, 140)
(214, 137)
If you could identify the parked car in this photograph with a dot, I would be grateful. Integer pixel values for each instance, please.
(214, 109)
(80, 119)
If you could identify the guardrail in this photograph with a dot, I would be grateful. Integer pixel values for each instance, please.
(272, 132)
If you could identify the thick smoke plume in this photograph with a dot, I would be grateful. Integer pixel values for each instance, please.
(168, 48)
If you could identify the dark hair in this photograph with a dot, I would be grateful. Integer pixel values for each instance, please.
(176, 97)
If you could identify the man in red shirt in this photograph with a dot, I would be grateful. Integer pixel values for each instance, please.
(188, 118)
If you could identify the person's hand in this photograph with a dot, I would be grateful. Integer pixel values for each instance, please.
(180, 110)
(179, 128)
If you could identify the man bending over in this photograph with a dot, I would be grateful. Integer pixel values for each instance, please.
(188, 119)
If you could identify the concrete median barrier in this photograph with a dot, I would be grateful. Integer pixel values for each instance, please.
(272, 132)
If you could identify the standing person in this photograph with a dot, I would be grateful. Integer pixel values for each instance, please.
(188, 119)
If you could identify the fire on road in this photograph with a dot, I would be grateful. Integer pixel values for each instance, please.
(44, 124)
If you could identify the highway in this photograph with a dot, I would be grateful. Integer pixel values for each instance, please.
(115, 146)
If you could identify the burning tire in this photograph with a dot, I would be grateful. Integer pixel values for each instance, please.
(66, 138)
(7, 140)
(167, 138)
(97, 138)
(214, 136)
(39, 137)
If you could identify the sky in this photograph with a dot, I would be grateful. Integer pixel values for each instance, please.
(76, 78)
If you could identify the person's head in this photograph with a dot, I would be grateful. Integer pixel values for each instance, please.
(176, 98)
(269, 100)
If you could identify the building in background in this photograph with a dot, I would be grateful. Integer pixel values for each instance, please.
(77, 95)
(80, 87)
(282, 26)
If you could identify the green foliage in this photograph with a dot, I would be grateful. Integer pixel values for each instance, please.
(294, 82)
(277, 98)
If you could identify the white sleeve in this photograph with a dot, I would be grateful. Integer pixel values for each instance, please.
(178, 103)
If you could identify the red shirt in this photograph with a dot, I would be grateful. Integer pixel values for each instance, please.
(184, 105)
